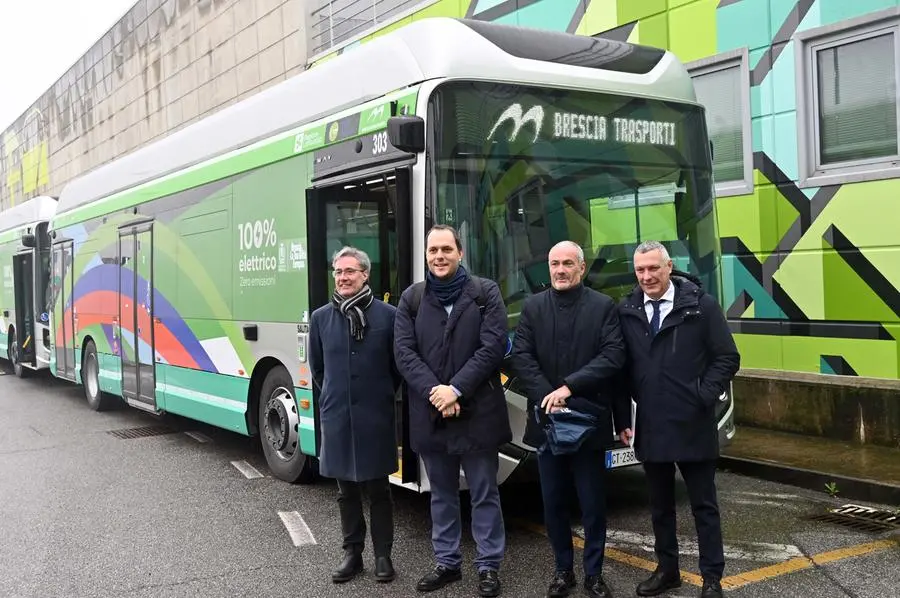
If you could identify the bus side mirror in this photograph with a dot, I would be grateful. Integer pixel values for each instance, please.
(712, 153)
(28, 240)
(407, 133)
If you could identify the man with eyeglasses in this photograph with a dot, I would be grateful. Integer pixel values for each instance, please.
(351, 357)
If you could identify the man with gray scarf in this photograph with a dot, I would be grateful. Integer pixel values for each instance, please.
(351, 356)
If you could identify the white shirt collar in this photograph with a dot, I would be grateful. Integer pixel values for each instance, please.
(669, 295)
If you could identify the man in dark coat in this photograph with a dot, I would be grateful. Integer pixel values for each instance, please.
(681, 359)
(568, 351)
(449, 349)
(351, 357)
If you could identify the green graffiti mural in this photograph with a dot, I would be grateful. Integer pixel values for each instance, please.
(811, 273)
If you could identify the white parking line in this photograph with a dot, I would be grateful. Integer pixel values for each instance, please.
(297, 528)
(744, 551)
(769, 495)
(248, 470)
(201, 438)
(761, 503)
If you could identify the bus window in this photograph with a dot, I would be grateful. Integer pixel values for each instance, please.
(518, 169)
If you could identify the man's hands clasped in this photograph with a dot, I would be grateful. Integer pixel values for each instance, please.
(445, 400)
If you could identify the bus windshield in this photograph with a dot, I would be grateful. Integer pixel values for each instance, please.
(517, 169)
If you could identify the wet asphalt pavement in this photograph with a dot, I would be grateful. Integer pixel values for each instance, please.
(86, 513)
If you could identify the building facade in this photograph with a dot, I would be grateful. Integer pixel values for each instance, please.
(164, 65)
(802, 111)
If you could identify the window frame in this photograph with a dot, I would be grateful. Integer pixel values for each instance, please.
(733, 58)
(812, 173)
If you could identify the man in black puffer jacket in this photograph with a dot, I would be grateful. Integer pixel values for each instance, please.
(568, 351)
(681, 358)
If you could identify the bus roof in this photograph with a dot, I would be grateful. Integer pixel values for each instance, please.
(37, 209)
(433, 48)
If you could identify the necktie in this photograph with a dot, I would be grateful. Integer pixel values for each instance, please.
(654, 321)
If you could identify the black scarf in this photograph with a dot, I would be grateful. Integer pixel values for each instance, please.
(448, 291)
(354, 309)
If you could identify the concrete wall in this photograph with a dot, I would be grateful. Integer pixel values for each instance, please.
(860, 410)
(166, 64)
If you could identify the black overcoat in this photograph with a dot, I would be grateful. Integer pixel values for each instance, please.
(677, 376)
(464, 349)
(572, 338)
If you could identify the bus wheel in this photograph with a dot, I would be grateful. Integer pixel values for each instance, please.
(90, 379)
(278, 429)
(13, 351)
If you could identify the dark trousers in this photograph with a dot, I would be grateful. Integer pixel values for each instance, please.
(488, 529)
(699, 477)
(381, 515)
(587, 470)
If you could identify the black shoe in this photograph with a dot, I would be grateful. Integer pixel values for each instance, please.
(384, 569)
(595, 587)
(488, 583)
(439, 577)
(562, 584)
(350, 567)
(659, 582)
(712, 588)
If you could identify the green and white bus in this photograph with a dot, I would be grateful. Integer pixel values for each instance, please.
(184, 273)
(24, 297)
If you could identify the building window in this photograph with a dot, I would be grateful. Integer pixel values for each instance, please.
(847, 100)
(722, 84)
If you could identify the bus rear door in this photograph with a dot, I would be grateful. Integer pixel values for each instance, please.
(136, 317)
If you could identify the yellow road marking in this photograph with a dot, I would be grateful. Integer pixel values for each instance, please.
(747, 577)
(851, 551)
(619, 556)
(798, 564)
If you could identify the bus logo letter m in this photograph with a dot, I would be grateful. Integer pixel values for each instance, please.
(514, 113)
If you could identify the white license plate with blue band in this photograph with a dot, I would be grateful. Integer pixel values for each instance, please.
(620, 457)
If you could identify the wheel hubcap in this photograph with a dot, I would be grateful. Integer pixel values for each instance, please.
(281, 423)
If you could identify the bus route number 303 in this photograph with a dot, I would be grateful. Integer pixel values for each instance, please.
(379, 143)
(620, 457)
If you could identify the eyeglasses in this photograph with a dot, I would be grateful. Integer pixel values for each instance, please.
(347, 271)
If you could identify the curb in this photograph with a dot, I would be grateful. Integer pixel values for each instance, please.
(852, 488)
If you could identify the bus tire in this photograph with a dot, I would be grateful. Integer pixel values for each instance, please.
(279, 430)
(90, 379)
(13, 354)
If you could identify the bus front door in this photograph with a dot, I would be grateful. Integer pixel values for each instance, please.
(372, 214)
(64, 308)
(136, 334)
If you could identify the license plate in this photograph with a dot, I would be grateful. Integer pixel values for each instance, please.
(620, 457)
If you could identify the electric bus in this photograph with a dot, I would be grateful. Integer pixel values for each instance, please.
(184, 273)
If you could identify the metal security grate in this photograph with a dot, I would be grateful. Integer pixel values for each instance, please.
(141, 432)
(861, 518)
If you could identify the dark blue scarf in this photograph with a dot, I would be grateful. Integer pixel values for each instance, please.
(448, 291)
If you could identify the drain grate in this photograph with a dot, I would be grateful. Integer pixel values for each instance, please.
(861, 518)
(141, 432)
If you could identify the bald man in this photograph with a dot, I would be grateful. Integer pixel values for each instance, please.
(567, 352)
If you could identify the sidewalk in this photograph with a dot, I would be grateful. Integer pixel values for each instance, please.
(860, 472)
